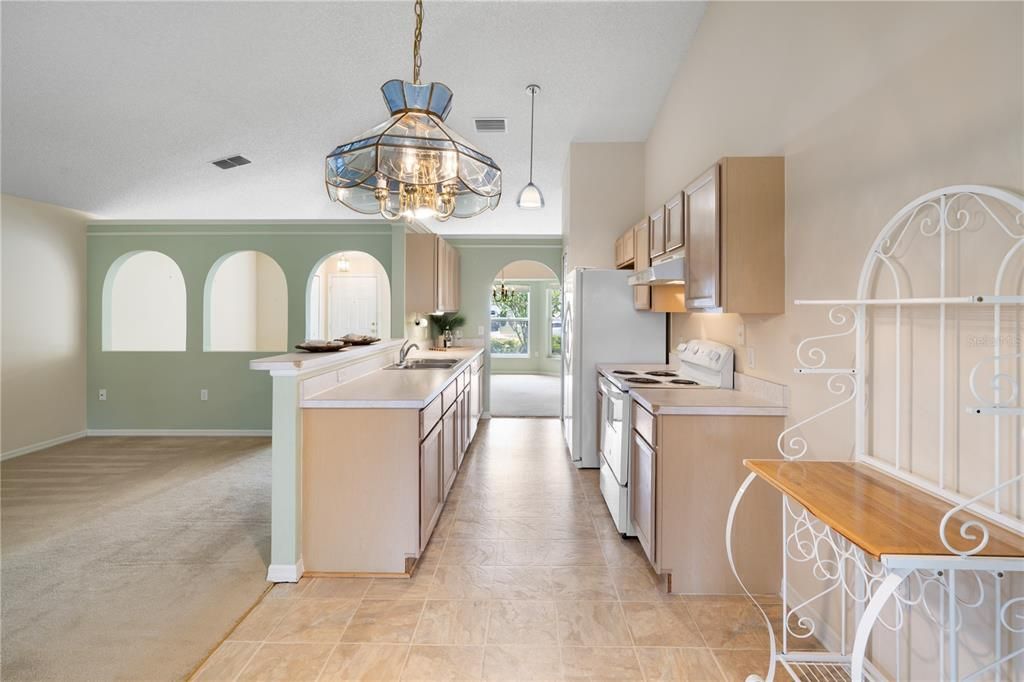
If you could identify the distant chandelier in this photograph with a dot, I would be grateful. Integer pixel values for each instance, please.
(501, 294)
(413, 165)
(531, 197)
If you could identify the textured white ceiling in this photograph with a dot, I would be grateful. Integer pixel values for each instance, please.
(117, 108)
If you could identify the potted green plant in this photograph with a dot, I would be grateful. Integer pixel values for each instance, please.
(444, 327)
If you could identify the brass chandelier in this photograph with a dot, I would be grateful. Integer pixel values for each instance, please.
(413, 165)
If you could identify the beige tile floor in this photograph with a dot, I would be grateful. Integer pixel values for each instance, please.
(525, 578)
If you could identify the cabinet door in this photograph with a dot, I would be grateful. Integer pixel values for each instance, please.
(464, 420)
(703, 262)
(628, 250)
(642, 248)
(618, 252)
(642, 511)
(456, 279)
(450, 447)
(475, 402)
(675, 236)
(657, 222)
(431, 500)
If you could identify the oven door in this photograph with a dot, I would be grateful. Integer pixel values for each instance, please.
(615, 430)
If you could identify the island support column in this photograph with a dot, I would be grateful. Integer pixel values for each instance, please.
(286, 482)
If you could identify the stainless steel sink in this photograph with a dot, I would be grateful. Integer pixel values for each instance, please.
(426, 364)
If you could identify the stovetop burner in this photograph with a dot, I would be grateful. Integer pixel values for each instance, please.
(624, 372)
(683, 382)
(661, 373)
(642, 380)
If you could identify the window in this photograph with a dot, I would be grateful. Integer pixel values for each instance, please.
(245, 304)
(510, 322)
(143, 304)
(555, 316)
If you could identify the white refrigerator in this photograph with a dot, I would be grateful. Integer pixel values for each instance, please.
(600, 326)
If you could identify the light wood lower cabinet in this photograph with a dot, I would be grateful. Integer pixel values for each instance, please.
(450, 442)
(642, 512)
(475, 400)
(431, 482)
(684, 472)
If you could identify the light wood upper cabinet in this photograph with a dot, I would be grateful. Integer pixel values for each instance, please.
(735, 237)
(657, 223)
(432, 274)
(642, 249)
(702, 263)
(431, 495)
(674, 221)
(628, 250)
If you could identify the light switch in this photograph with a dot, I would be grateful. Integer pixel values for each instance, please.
(741, 334)
(480, 330)
(751, 358)
(204, 394)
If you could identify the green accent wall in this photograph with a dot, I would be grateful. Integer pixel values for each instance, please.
(481, 259)
(160, 390)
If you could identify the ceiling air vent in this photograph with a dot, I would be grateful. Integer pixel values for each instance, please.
(231, 162)
(490, 125)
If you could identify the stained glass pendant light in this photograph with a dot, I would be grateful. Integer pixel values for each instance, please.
(413, 165)
(531, 197)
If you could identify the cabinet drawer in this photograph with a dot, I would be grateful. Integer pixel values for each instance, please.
(429, 416)
(448, 395)
(645, 424)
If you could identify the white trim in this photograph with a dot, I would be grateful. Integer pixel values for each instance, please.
(285, 573)
(237, 233)
(179, 432)
(24, 450)
(249, 221)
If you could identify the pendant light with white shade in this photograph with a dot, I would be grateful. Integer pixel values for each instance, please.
(530, 197)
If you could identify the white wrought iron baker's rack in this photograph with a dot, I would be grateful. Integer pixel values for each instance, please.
(939, 443)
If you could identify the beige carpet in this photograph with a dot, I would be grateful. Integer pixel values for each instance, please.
(130, 558)
(526, 395)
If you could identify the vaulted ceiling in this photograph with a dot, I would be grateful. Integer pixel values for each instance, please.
(118, 108)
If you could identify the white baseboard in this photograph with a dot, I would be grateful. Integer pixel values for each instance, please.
(285, 573)
(179, 432)
(17, 452)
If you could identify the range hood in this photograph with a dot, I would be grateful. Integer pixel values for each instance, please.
(671, 271)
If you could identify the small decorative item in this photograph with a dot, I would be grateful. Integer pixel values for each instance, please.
(321, 346)
(445, 326)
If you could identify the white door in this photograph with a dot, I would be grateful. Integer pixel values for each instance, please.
(316, 304)
(352, 305)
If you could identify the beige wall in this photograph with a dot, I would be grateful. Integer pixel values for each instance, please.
(872, 104)
(144, 302)
(43, 335)
(248, 304)
(604, 196)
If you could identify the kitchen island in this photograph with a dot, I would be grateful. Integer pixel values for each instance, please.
(379, 455)
(364, 455)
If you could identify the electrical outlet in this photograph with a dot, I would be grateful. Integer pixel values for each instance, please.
(480, 330)
(741, 334)
(103, 394)
(204, 394)
(751, 358)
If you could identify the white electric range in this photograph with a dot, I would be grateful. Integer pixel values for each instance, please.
(702, 364)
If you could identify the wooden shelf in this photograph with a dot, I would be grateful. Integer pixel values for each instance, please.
(879, 513)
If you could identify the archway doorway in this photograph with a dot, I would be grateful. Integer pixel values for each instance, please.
(524, 338)
(348, 292)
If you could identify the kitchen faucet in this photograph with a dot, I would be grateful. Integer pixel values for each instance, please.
(404, 351)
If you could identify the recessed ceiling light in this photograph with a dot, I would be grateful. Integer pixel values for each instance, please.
(231, 162)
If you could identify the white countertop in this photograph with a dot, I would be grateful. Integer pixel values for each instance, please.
(395, 388)
(706, 401)
(302, 361)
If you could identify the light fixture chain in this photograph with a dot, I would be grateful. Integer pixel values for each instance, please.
(533, 95)
(417, 60)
